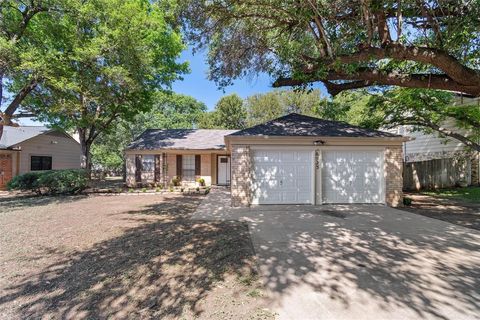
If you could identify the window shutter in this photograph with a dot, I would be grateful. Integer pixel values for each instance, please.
(198, 163)
(179, 165)
(138, 168)
(157, 168)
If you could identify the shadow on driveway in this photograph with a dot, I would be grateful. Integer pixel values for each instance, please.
(362, 262)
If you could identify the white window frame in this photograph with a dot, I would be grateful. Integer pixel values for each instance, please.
(188, 167)
(148, 163)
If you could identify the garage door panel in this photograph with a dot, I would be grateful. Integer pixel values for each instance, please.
(352, 176)
(291, 172)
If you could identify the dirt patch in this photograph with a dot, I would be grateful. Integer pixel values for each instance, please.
(457, 212)
(123, 257)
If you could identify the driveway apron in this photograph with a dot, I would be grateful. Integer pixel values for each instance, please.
(359, 261)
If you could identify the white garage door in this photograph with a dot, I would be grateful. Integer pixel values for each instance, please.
(352, 177)
(282, 177)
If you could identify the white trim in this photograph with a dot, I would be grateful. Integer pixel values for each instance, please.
(318, 178)
(312, 194)
(280, 147)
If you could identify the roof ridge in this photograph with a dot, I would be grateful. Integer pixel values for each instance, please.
(192, 129)
(313, 124)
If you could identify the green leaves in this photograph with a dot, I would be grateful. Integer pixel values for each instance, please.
(115, 56)
(229, 113)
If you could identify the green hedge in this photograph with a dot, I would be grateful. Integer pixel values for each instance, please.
(51, 182)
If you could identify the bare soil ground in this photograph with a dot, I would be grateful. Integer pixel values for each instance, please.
(457, 212)
(123, 257)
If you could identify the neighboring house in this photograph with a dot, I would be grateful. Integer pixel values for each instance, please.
(294, 159)
(24, 149)
(433, 161)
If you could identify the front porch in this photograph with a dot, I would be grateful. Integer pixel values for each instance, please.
(177, 168)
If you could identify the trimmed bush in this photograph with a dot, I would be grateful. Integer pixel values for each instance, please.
(51, 182)
(24, 182)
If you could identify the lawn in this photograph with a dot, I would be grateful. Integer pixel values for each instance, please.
(469, 194)
(124, 257)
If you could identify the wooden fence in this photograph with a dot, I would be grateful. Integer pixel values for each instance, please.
(436, 174)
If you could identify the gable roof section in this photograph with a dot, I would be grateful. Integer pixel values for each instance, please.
(184, 139)
(15, 135)
(295, 124)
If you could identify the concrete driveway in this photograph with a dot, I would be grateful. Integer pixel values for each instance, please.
(359, 262)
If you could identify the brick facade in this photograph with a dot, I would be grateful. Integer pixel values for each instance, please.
(6, 169)
(394, 176)
(241, 175)
(475, 168)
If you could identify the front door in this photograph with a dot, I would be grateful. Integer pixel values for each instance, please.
(5, 170)
(223, 166)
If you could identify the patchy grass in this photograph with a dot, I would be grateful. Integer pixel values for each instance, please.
(468, 194)
(124, 257)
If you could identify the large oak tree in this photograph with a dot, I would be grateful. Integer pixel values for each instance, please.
(30, 51)
(117, 55)
(343, 43)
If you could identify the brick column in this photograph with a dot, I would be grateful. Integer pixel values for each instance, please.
(394, 176)
(241, 176)
(475, 170)
(130, 170)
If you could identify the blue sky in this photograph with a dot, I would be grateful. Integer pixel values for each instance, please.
(198, 86)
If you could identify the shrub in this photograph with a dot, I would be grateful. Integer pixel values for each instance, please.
(176, 181)
(407, 201)
(25, 182)
(51, 182)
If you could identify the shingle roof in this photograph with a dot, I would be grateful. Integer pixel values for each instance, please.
(196, 139)
(14, 135)
(295, 124)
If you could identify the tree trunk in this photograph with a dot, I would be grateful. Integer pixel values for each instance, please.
(86, 162)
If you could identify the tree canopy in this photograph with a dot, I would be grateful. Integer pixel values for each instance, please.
(229, 113)
(429, 111)
(119, 54)
(31, 51)
(267, 106)
(345, 44)
(169, 111)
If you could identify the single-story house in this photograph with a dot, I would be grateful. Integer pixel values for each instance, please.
(294, 159)
(33, 148)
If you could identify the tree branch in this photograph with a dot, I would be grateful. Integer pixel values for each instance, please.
(336, 88)
(435, 57)
(15, 104)
(374, 77)
(465, 140)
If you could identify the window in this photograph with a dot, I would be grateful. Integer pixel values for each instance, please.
(38, 163)
(188, 167)
(148, 163)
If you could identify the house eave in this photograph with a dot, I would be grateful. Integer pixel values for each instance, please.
(315, 140)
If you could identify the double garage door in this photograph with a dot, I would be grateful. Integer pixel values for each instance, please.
(293, 177)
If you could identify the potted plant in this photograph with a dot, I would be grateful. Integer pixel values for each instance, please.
(176, 181)
(201, 181)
